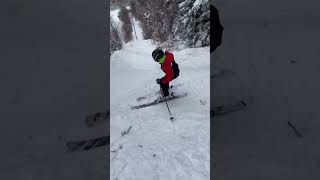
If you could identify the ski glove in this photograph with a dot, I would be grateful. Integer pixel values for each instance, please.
(158, 81)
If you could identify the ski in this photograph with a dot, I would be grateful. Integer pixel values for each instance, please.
(96, 118)
(158, 101)
(88, 144)
(157, 93)
(224, 109)
(295, 130)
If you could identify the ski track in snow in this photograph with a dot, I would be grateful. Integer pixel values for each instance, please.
(155, 147)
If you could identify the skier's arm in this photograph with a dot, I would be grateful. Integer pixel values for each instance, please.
(169, 73)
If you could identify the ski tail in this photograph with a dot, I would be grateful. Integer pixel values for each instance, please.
(87, 144)
(158, 101)
(224, 109)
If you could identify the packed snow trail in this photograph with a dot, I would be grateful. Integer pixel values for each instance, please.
(155, 147)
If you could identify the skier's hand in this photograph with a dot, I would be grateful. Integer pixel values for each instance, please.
(158, 81)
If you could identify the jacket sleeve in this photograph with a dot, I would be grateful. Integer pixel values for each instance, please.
(169, 73)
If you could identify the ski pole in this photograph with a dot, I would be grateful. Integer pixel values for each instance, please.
(165, 99)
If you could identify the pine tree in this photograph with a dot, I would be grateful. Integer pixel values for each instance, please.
(126, 26)
(193, 23)
(115, 41)
(182, 21)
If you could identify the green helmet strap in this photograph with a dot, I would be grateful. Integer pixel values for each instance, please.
(161, 60)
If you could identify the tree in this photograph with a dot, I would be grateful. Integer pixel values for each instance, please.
(115, 41)
(180, 21)
(127, 26)
(193, 24)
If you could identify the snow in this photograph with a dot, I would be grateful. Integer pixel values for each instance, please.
(155, 147)
(114, 16)
(117, 22)
(198, 3)
(137, 27)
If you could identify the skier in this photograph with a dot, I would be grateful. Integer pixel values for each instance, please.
(168, 66)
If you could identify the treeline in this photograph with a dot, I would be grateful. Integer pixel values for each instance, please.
(176, 21)
(168, 22)
(123, 35)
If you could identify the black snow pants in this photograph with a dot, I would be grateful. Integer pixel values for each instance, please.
(165, 89)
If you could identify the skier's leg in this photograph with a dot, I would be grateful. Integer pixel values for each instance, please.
(165, 89)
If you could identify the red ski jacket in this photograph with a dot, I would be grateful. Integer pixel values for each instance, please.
(167, 68)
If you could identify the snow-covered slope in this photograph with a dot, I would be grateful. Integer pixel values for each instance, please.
(181, 148)
(155, 147)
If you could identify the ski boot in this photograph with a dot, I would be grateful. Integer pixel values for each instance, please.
(161, 98)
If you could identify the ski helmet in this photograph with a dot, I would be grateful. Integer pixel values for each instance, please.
(157, 54)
